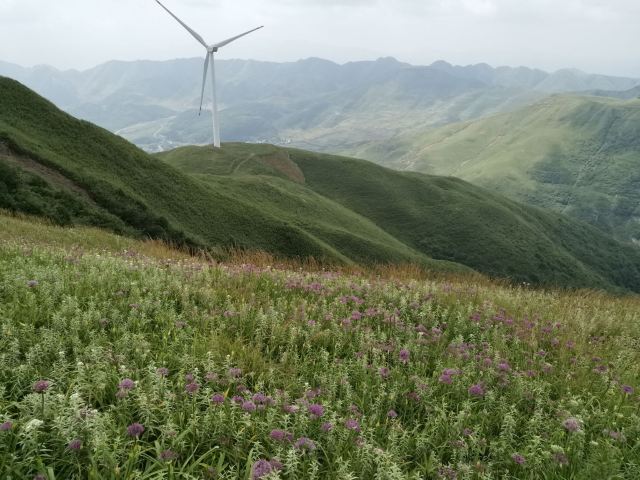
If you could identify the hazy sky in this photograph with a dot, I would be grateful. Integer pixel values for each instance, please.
(599, 36)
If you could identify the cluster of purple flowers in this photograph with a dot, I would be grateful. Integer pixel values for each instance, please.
(316, 410)
(41, 386)
(262, 468)
(124, 387)
(135, 430)
(281, 436)
(447, 375)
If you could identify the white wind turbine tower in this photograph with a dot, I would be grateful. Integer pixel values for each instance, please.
(211, 50)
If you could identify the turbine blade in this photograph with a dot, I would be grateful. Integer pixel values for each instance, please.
(232, 39)
(204, 80)
(192, 32)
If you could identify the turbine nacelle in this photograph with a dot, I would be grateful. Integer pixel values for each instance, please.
(212, 49)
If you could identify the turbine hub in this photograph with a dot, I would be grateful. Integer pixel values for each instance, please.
(212, 49)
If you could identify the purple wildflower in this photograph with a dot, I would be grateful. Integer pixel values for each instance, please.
(192, 388)
(248, 406)
(188, 377)
(262, 399)
(313, 393)
(135, 430)
(326, 427)
(519, 459)
(217, 398)
(476, 390)
(384, 372)
(75, 445)
(235, 372)
(413, 396)
(571, 424)
(168, 455)
(392, 414)
(504, 366)
(290, 408)
(281, 436)
(447, 473)
(262, 468)
(6, 426)
(445, 379)
(352, 424)
(127, 384)
(404, 355)
(304, 443)
(211, 377)
(162, 371)
(316, 410)
(32, 283)
(41, 386)
(627, 389)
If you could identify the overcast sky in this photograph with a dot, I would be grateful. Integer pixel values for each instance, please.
(598, 36)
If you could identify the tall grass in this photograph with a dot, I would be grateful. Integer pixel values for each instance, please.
(133, 361)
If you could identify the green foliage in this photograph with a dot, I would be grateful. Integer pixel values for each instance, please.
(96, 316)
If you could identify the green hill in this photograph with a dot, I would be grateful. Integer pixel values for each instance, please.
(74, 172)
(576, 155)
(444, 218)
(289, 202)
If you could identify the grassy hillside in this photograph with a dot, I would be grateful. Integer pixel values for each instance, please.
(443, 218)
(576, 155)
(86, 175)
(121, 359)
(291, 203)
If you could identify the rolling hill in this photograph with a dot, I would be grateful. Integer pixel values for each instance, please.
(289, 202)
(444, 218)
(576, 155)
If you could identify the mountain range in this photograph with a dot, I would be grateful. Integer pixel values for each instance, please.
(311, 103)
(290, 202)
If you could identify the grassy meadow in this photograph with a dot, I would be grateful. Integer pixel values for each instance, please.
(124, 359)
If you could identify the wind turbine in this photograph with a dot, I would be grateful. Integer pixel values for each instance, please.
(209, 59)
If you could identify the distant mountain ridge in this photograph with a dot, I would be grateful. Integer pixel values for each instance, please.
(313, 102)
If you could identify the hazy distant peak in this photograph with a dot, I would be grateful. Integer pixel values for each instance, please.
(391, 60)
(316, 61)
(441, 64)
